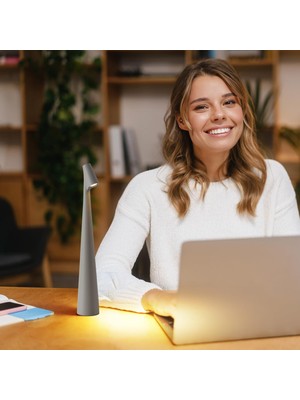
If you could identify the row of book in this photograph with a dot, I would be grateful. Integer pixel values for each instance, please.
(232, 54)
(9, 57)
(124, 152)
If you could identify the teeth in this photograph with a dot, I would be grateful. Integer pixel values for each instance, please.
(218, 131)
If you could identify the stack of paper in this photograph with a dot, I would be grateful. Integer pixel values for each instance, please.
(29, 314)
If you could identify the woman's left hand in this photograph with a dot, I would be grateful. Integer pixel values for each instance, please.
(162, 302)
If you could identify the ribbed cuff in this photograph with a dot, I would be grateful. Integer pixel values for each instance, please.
(129, 299)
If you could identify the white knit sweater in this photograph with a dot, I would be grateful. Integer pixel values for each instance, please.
(145, 213)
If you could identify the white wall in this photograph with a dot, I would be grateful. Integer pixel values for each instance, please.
(143, 109)
(10, 99)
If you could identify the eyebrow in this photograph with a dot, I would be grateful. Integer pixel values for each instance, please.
(206, 98)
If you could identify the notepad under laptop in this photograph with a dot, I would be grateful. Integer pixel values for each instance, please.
(237, 289)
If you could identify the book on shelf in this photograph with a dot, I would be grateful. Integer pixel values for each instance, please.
(202, 54)
(124, 152)
(117, 159)
(131, 152)
(231, 54)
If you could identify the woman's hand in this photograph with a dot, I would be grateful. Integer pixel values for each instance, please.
(162, 302)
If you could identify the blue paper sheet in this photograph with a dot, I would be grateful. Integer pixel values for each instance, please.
(32, 313)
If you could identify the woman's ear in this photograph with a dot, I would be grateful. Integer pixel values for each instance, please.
(181, 123)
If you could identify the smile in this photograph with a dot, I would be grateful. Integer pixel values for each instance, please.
(218, 131)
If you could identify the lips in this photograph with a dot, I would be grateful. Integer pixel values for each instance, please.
(218, 131)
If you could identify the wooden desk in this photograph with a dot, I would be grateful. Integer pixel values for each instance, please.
(111, 329)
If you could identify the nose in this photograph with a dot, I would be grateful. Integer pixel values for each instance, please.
(218, 113)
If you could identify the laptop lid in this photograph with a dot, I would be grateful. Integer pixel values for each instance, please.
(237, 289)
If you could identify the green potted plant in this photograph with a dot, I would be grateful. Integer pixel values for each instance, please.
(262, 106)
(63, 140)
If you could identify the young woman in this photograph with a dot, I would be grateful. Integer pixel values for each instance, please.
(215, 184)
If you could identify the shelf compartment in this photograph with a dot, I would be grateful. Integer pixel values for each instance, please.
(10, 97)
(148, 66)
(11, 153)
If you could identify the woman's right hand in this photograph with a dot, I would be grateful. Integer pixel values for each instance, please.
(162, 302)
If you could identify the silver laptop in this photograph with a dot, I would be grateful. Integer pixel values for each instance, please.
(237, 289)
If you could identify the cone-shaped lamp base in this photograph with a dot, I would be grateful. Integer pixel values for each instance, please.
(88, 301)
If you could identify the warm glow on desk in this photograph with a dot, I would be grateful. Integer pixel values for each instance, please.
(127, 322)
(132, 327)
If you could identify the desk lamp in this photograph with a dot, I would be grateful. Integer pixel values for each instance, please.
(88, 302)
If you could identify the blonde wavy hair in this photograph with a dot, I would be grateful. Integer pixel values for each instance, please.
(245, 164)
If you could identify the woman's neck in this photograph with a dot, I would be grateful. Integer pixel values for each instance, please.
(216, 167)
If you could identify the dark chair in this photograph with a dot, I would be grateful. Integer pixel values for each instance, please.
(22, 250)
(141, 268)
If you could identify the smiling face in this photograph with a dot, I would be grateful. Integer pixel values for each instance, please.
(215, 118)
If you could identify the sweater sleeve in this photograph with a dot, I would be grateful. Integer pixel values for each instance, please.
(117, 253)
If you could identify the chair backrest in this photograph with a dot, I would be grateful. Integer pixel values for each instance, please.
(141, 268)
(8, 225)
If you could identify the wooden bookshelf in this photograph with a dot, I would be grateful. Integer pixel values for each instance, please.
(138, 75)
